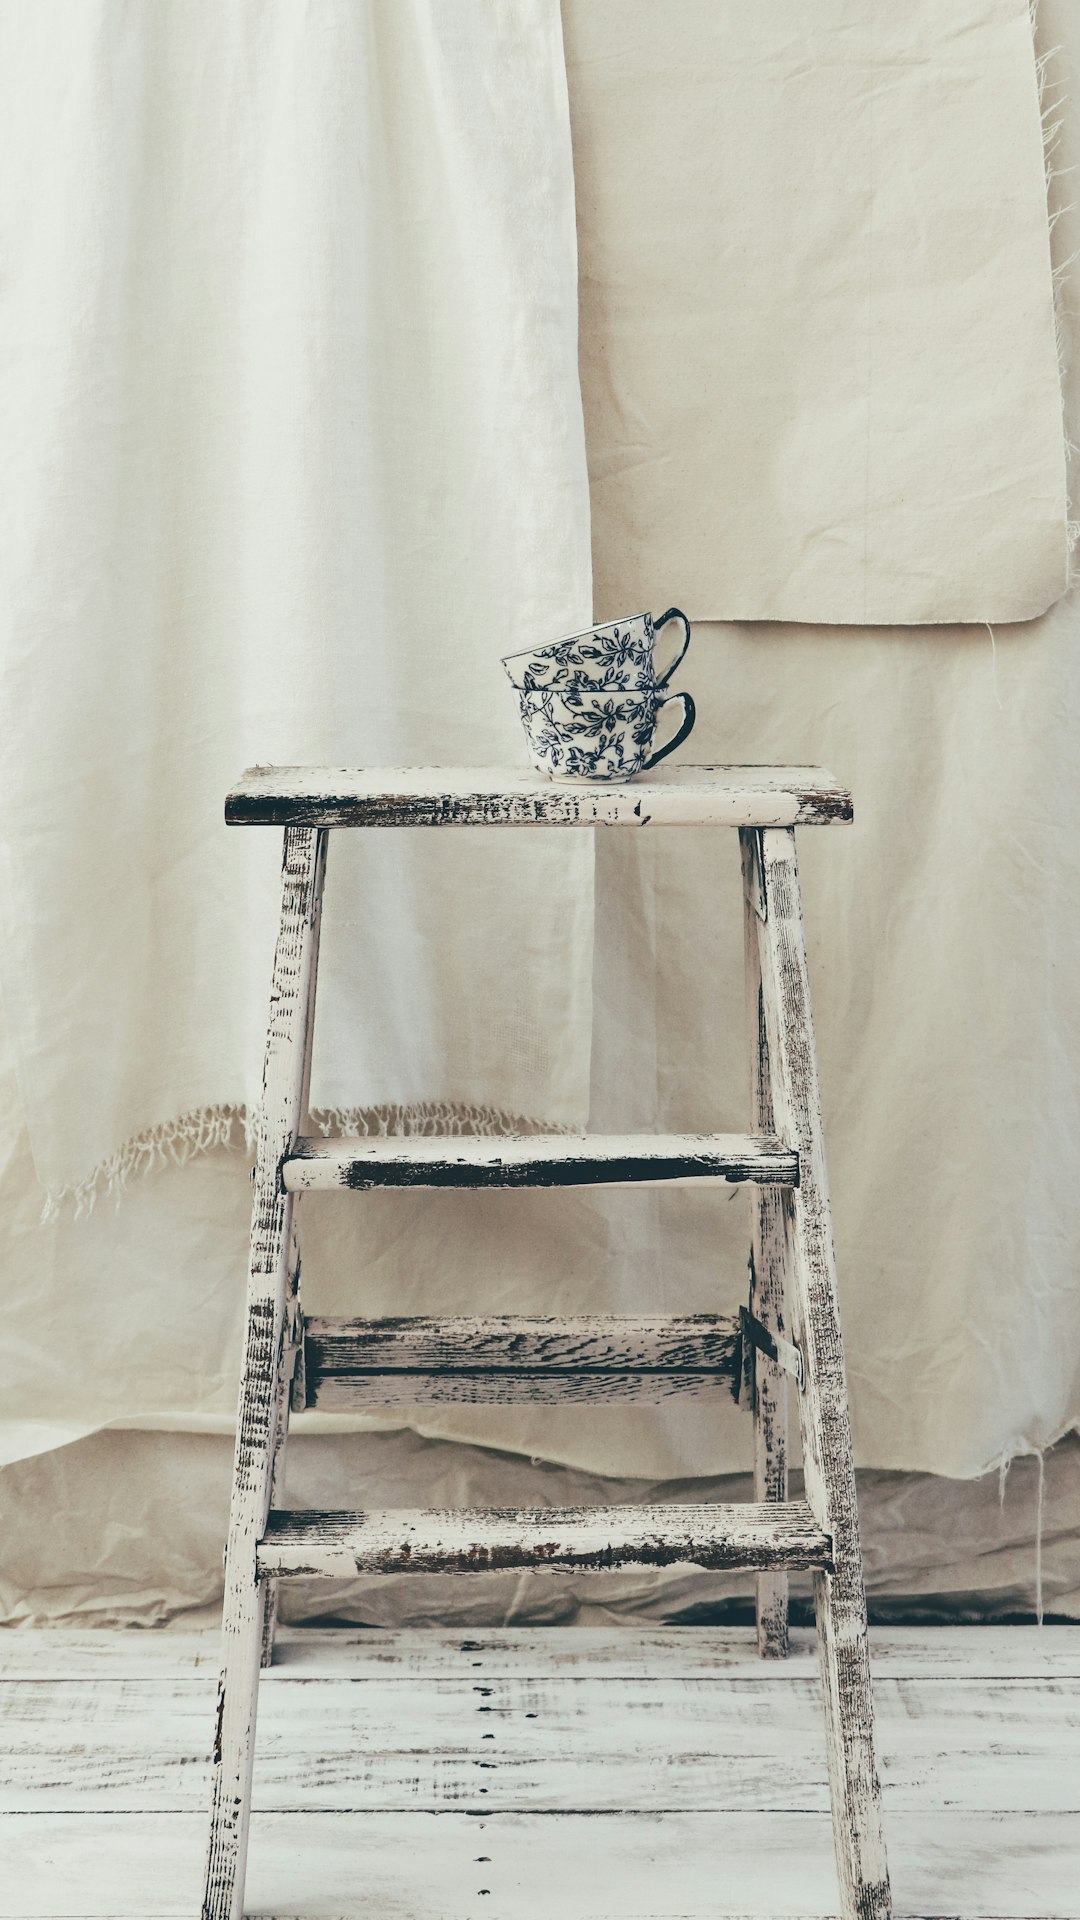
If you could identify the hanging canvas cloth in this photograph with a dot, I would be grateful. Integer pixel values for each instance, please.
(819, 362)
(292, 452)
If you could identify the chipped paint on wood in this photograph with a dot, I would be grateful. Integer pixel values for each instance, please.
(539, 1160)
(509, 1359)
(828, 1465)
(768, 1268)
(261, 1405)
(354, 1392)
(720, 796)
(366, 1736)
(321, 1544)
(290, 1377)
(1048, 1658)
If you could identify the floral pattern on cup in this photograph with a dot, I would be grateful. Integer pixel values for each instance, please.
(618, 656)
(592, 734)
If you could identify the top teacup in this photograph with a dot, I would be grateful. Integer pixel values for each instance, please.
(619, 655)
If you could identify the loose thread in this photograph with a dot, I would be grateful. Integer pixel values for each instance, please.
(993, 663)
(1039, 1540)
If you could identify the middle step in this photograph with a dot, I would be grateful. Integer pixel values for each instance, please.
(541, 1160)
(502, 1359)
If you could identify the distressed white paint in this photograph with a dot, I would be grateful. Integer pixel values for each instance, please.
(768, 1270)
(687, 796)
(263, 1405)
(828, 1464)
(536, 1742)
(507, 1358)
(637, 1865)
(621, 1654)
(539, 1160)
(653, 1775)
(992, 1653)
(542, 1539)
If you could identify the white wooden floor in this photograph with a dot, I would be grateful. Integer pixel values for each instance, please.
(514, 1775)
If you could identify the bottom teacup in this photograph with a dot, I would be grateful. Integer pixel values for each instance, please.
(590, 735)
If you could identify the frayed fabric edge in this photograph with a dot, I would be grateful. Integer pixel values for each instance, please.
(170, 1143)
(207, 1129)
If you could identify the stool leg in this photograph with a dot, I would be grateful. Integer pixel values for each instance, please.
(292, 1344)
(282, 1397)
(768, 1268)
(288, 1042)
(828, 1464)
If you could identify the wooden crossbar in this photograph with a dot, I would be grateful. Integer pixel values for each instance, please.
(552, 1539)
(539, 1160)
(509, 1359)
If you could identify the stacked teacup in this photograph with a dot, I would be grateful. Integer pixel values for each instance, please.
(590, 704)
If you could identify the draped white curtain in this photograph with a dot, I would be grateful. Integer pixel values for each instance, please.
(292, 450)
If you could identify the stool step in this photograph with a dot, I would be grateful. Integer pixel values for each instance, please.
(780, 1534)
(541, 1160)
(503, 1359)
(683, 796)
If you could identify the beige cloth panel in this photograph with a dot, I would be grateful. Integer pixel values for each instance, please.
(818, 355)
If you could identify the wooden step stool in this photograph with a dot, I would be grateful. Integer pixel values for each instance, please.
(792, 1325)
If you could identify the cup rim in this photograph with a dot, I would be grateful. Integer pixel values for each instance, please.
(623, 620)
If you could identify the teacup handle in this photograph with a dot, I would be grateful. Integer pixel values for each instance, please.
(689, 716)
(673, 613)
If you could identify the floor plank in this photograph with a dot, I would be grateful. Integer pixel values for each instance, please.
(641, 1866)
(519, 1774)
(706, 1744)
(989, 1652)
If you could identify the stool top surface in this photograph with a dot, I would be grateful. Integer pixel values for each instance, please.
(497, 796)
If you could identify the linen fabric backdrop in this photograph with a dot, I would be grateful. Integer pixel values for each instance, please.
(293, 451)
(941, 929)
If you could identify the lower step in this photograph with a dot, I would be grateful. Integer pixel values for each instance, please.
(778, 1534)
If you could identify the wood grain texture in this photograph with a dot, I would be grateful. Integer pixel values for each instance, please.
(531, 1742)
(290, 1374)
(355, 1392)
(722, 796)
(261, 1404)
(555, 1539)
(828, 1464)
(509, 1359)
(663, 1770)
(1049, 1655)
(633, 1652)
(453, 1865)
(768, 1268)
(538, 1160)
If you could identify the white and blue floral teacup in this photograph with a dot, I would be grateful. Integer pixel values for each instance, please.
(586, 733)
(619, 655)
